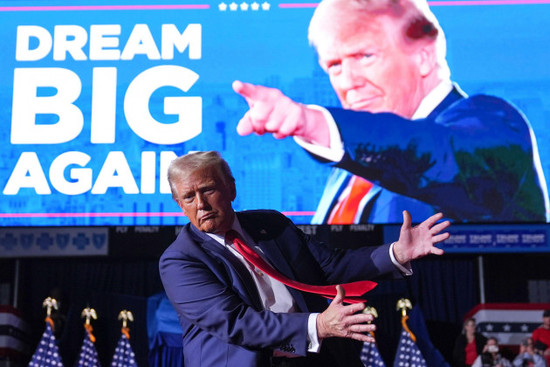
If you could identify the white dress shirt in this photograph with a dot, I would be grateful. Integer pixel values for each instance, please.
(274, 294)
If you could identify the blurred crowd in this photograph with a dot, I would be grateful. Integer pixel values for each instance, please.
(473, 349)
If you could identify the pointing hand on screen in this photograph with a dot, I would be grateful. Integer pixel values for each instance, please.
(270, 111)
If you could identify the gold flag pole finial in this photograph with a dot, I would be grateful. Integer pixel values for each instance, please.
(89, 313)
(48, 304)
(403, 304)
(369, 310)
(126, 316)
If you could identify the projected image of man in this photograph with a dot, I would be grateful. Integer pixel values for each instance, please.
(407, 136)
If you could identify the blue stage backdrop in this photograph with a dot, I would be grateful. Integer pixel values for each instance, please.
(97, 97)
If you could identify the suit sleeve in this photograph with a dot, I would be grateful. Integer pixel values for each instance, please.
(368, 262)
(474, 160)
(211, 303)
(314, 262)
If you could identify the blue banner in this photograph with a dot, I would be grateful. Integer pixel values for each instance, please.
(489, 238)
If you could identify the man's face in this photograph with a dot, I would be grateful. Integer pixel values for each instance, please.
(546, 322)
(206, 200)
(370, 65)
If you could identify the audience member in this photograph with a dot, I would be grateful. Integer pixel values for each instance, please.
(527, 356)
(541, 336)
(490, 357)
(468, 345)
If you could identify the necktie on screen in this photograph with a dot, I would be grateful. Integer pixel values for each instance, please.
(354, 290)
(345, 210)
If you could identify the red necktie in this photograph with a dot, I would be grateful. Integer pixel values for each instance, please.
(354, 290)
(344, 212)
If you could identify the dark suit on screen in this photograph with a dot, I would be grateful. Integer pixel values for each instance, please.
(473, 158)
(223, 321)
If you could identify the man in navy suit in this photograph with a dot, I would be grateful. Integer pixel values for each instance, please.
(233, 314)
(408, 138)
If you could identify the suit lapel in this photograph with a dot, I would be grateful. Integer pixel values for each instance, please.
(454, 95)
(242, 280)
(268, 244)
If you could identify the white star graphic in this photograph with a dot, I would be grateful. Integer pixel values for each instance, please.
(254, 6)
(233, 6)
(489, 327)
(507, 327)
(265, 5)
(524, 328)
(244, 6)
(222, 6)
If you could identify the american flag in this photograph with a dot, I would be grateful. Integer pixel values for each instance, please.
(124, 355)
(47, 353)
(88, 353)
(408, 354)
(370, 356)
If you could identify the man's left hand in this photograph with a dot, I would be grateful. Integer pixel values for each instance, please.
(418, 241)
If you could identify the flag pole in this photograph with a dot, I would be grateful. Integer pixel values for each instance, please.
(124, 355)
(47, 352)
(403, 304)
(89, 313)
(370, 356)
(125, 316)
(369, 310)
(88, 352)
(481, 279)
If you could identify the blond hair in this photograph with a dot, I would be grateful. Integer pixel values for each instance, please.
(183, 166)
(417, 21)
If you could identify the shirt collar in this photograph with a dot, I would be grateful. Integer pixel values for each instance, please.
(235, 226)
(433, 99)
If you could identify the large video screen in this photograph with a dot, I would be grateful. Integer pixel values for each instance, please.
(97, 98)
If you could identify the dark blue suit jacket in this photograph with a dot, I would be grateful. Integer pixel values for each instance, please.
(220, 311)
(473, 158)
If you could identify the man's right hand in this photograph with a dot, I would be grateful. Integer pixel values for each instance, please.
(345, 321)
(272, 112)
